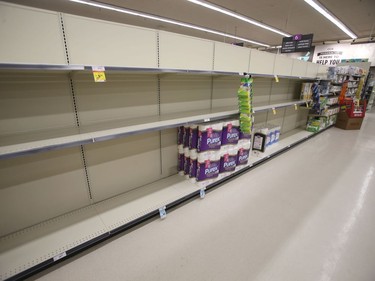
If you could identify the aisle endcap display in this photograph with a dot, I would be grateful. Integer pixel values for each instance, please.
(341, 94)
(348, 123)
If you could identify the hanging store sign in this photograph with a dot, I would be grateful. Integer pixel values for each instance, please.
(297, 43)
(332, 54)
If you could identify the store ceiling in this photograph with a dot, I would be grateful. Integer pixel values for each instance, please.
(291, 16)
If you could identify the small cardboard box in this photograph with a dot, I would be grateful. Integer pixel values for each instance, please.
(346, 123)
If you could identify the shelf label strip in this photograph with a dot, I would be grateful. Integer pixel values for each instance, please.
(99, 73)
(202, 193)
(163, 212)
(59, 256)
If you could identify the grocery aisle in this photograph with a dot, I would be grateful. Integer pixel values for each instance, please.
(305, 215)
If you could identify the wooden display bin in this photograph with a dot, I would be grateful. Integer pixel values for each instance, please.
(347, 123)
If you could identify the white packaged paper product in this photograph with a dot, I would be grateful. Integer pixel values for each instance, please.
(243, 154)
(186, 160)
(265, 131)
(277, 133)
(193, 167)
(193, 137)
(242, 142)
(228, 160)
(180, 135)
(208, 165)
(231, 132)
(272, 130)
(186, 136)
(181, 159)
(209, 136)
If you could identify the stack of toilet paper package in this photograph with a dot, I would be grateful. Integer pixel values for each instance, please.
(212, 150)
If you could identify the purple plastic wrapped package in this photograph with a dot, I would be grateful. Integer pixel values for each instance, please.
(209, 137)
(231, 132)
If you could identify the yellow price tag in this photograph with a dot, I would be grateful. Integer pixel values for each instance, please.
(295, 106)
(99, 76)
(274, 111)
(276, 79)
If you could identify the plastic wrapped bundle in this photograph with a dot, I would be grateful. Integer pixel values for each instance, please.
(244, 95)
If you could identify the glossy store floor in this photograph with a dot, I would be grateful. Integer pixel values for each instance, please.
(305, 215)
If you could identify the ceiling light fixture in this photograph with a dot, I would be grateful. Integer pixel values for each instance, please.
(238, 16)
(152, 17)
(328, 15)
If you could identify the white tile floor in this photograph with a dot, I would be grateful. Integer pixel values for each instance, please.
(305, 215)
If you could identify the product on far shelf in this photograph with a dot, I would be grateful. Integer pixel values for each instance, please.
(306, 91)
(315, 124)
(269, 134)
(259, 142)
(332, 120)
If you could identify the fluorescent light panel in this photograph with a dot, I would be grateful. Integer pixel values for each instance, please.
(152, 17)
(238, 16)
(327, 14)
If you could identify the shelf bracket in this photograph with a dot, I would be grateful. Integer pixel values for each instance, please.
(163, 212)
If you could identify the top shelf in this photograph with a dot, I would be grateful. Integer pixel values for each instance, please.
(30, 143)
(69, 68)
(133, 70)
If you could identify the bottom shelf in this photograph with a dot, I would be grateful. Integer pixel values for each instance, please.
(27, 251)
(287, 141)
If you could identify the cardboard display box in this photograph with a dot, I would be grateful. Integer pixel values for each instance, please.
(346, 123)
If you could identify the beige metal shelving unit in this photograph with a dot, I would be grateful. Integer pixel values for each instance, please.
(82, 160)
